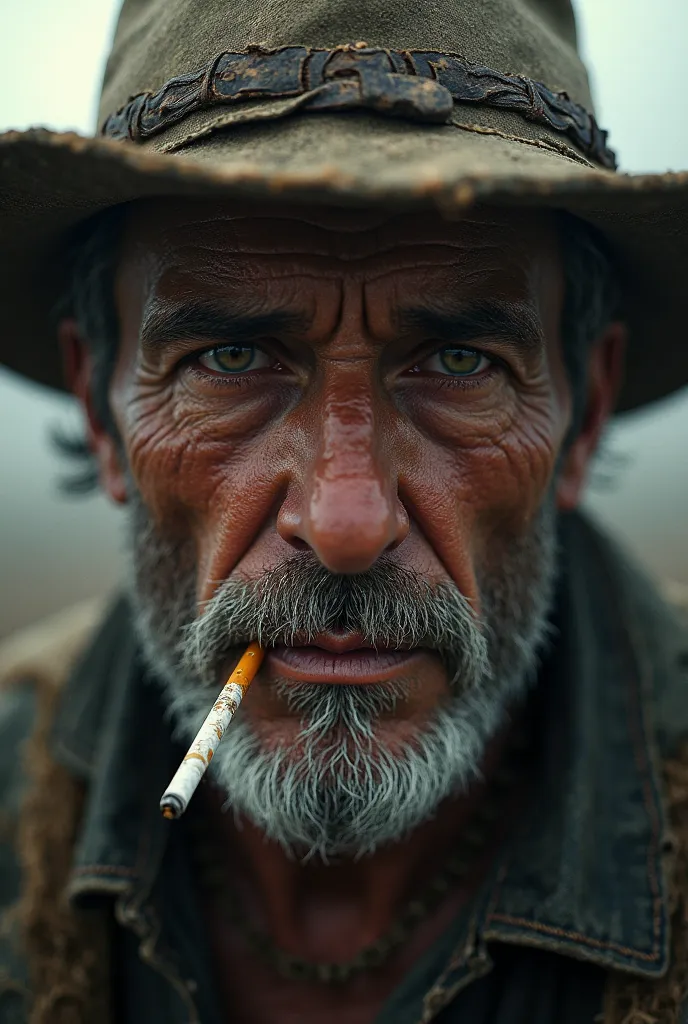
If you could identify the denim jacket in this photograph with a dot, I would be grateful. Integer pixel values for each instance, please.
(579, 894)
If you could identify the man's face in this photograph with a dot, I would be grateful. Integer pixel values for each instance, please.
(341, 394)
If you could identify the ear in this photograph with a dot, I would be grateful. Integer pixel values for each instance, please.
(605, 366)
(78, 370)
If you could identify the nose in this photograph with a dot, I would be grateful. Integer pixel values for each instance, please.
(348, 512)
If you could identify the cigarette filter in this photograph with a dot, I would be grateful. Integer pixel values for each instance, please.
(176, 797)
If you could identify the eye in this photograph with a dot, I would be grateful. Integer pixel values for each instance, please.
(235, 359)
(457, 362)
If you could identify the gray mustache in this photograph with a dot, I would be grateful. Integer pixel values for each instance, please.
(389, 605)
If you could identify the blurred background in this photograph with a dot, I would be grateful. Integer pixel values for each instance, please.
(56, 550)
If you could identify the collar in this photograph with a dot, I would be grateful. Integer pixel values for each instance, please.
(111, 730)
(585, 874)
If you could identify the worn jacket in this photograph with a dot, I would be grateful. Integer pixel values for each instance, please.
(583, 912)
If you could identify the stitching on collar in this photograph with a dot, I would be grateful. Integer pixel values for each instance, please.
(585, 940)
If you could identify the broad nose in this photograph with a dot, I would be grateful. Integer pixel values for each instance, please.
(348, 511)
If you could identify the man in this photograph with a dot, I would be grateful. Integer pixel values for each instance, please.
(346, 320)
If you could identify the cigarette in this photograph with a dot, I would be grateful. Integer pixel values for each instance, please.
(176, 797)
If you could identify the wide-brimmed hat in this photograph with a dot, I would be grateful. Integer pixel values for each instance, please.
(412, 103)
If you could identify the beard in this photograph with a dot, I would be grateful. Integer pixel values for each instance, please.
(346, 786)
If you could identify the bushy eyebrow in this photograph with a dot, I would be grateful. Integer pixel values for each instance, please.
(200, 321)
(513, 323)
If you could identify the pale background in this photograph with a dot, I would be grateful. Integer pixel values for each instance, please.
(54, 551)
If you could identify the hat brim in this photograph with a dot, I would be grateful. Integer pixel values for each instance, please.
(51, 182)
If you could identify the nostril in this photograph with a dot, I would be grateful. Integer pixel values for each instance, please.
(298, 543)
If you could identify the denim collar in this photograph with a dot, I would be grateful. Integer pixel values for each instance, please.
(585, 873)
(112, 732)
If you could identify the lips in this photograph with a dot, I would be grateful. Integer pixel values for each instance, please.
(345, 659)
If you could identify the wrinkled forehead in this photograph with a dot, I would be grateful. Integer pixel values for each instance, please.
(174, 246)
(165, 225)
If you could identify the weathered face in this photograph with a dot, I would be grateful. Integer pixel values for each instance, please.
(288, 382)
(361, 388)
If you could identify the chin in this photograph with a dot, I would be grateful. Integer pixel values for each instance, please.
(337, 791)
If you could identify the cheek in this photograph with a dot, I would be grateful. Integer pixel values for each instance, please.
(477, 479)
(497, 439)
(206, 466)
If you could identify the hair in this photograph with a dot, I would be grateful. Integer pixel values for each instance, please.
(592, 297)
(90, 300)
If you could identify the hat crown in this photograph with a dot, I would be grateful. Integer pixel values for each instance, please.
(156, 40)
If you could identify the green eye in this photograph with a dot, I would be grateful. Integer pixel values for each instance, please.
(456, 362)
(230, 359)
(461, 361)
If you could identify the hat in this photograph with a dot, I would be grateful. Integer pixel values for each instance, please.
(408, 103)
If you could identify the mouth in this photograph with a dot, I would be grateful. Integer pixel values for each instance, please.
(345, 658)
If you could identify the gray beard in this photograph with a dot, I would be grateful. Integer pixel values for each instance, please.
(343, 788)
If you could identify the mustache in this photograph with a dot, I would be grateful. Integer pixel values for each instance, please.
(390, 605)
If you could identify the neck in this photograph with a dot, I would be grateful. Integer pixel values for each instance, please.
(329, 911)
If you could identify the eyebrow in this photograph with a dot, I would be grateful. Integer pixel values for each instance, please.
(199, 321)
(515, 323)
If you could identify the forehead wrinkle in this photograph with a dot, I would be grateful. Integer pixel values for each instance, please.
(344, 245)
(469, 272)
(213, 265)
(206, 261)
(344, 234)
(447, 294)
